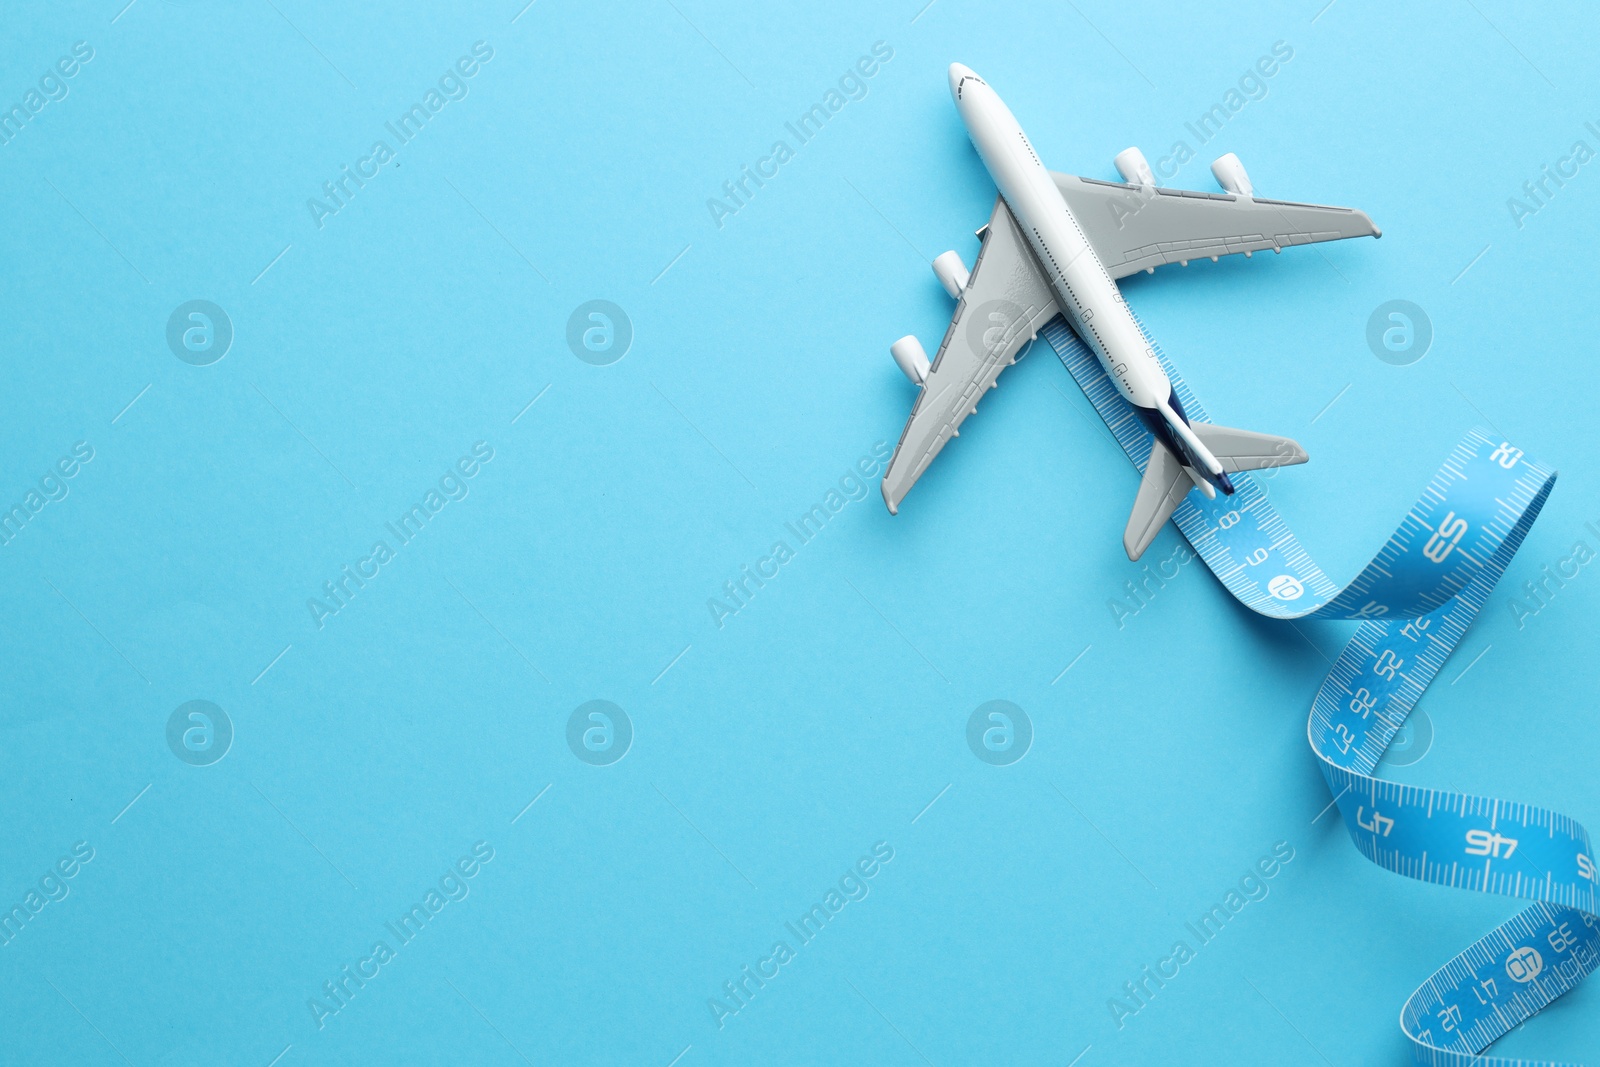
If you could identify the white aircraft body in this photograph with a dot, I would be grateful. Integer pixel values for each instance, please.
(1057, 243)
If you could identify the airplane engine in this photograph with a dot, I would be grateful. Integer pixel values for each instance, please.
(910, 357)
(1134, 168)
(1230, 174)
(951, 272)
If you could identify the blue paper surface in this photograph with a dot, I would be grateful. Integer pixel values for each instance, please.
(382, 333)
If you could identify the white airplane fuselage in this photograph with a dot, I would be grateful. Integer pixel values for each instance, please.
(1085, 291)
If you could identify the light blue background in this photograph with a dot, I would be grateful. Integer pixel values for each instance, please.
(828, 713)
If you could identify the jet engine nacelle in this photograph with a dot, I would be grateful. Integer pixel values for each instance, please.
(951, 272)
(910, 358)
(1134, 168)
(1230, 174)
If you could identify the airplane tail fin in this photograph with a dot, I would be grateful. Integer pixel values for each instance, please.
(1167, 480)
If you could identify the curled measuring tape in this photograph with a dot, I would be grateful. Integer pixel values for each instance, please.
(1415, 601)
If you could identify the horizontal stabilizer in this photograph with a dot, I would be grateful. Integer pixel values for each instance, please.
(1242, 450)
(1166, 482)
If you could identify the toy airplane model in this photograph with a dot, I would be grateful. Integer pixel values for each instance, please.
(1057, 243)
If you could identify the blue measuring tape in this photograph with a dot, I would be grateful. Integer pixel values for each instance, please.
(1416, 601)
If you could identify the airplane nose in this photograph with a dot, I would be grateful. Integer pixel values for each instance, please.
(958, 71)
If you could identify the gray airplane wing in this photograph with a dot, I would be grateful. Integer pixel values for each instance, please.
(1142, 227)
(1005, 302)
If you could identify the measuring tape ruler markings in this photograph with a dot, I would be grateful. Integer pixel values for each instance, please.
(1478, 977)
(1416, 599)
